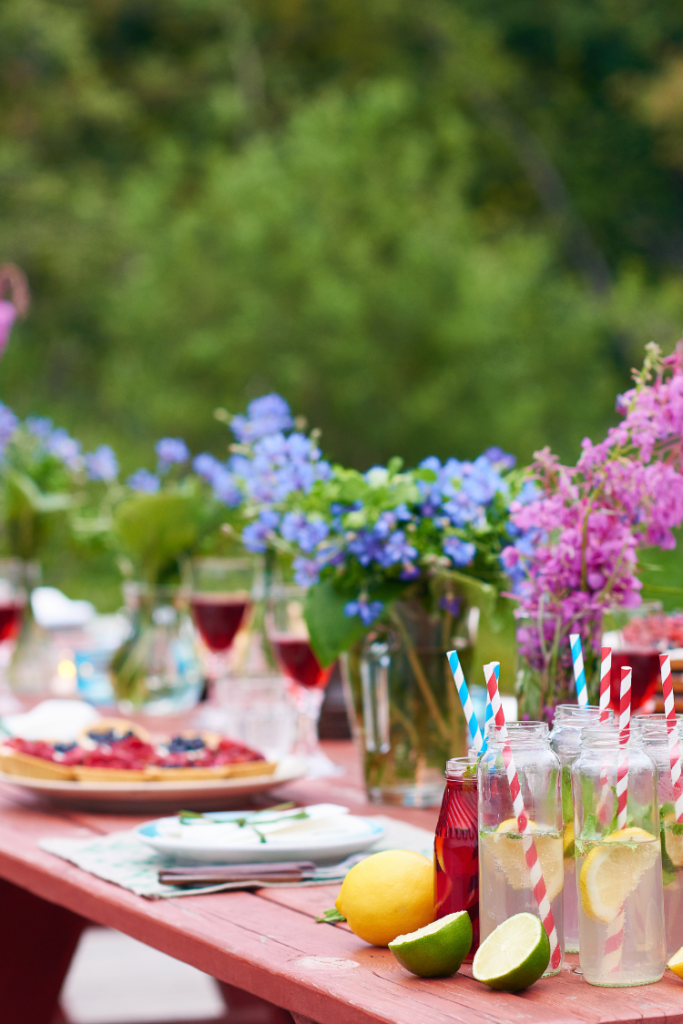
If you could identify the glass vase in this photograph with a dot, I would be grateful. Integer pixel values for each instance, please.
(405, 712)
(545, 674)
(157, 669)
(32, 662)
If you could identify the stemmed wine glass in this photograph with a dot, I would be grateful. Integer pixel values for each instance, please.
(13, 598)
(221, 601)
(291, 645)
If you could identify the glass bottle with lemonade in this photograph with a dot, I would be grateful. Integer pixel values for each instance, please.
(565, 740)
(505, 886)
(621, 913)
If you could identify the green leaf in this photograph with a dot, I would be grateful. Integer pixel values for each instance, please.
(331, 631)
(156, 529)
(331, 916)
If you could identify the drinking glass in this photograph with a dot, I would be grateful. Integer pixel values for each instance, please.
(221, 602)
(505, 884)
(565, 740)
(456, 861)
(621, 908)
(655, 739)
(291, 645)
(13, 600)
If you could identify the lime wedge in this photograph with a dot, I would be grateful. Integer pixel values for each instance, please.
(438, 949)
(514, 956)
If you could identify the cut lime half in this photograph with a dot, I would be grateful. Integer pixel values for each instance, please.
(514, 956)
(438, 949)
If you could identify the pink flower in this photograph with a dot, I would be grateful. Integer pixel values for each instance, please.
(8, 315)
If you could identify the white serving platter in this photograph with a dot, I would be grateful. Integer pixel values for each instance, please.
(151, 797)
(327, 835)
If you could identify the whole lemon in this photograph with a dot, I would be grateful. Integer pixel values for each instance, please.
(388, 894)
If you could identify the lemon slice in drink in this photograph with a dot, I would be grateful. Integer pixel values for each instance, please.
(568, 839)
(505, 844)
(675, 964)
(673, 843)
(438, 949)
(613, 869)
(513, 956)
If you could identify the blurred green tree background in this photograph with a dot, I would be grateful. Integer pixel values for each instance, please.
(432, 227)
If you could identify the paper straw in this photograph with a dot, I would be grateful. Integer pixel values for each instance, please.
(672, 730)
(605, 689)
(615, 929)
(579, 670)
(528, 844)
(624, 733)
(478, 741)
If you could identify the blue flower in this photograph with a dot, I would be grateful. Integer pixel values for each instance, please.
(501, 460)
(8, 424)
(306, 571)
(305, 533)
(396, 550)
(366, 610)
(65, 447)
(255, 536)
(451, 605)
(459, 551)
(102, 464)
(171, 450)
(40, 426)
(143, 480)
(269, 414)
(207, 466)
(226, 490)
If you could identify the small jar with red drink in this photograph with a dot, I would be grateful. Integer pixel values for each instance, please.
(456, 861)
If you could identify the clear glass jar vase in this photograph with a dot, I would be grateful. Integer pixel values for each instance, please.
(505, 886)
(619, 870)
(545, 673)
(565, 740)
(157, 669)
(655, 740)
(403, 705)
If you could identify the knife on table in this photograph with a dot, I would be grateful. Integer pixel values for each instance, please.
(250, 874)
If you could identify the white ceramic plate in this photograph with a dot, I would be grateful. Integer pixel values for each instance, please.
(327, 835)
(148, 797)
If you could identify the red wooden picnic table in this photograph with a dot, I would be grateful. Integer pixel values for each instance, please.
(264, 943)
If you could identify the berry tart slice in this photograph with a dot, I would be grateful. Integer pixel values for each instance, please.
(115, 750)
(193, 756)
(38, 759)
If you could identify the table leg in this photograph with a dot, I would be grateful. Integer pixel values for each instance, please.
(37, 941)
(247, 1009)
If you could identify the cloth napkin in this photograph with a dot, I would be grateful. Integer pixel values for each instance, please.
(122, 858)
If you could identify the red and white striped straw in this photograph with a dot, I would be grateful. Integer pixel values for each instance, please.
(624, 733)
(605, 673)
(615, 929)
(528, 844)
(672, 729)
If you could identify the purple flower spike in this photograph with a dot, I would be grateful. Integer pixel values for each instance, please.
(143, 480)
(8, 315)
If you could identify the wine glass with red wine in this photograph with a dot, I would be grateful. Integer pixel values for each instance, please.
(12, 606)
(221, 601)
(291, 645)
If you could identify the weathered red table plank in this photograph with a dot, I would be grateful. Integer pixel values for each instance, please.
(268, 943)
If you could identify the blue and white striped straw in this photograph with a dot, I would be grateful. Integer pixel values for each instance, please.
(466, 701)
(579, 671)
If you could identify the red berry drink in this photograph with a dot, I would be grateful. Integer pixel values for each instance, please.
(218, 617)
(456, 860)
(299, 662)
(644, 679)
(11, 615)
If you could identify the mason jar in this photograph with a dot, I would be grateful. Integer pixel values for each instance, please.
(456, 860)
(505, 886)
(621, 911)
(656, 744)
(565, 740)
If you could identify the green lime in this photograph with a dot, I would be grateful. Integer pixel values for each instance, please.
(438, 949)
(514, 956)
